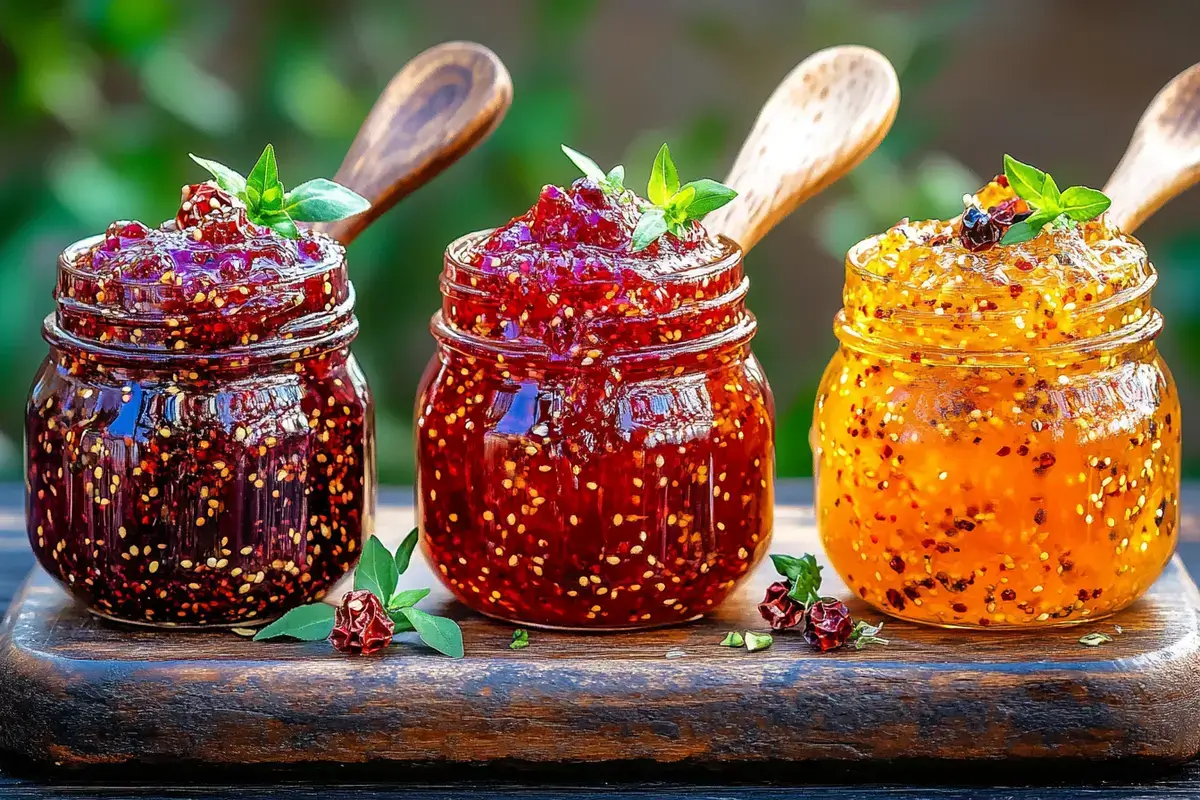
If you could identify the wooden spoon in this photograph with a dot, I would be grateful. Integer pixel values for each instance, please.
(1163, 157)
(827, 115)
(439, 106)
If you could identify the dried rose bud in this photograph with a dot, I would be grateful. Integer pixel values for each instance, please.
(779, 609)
(828, 625)
(361, 624)
(201, 199)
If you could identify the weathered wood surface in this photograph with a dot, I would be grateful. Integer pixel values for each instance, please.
(76, 691)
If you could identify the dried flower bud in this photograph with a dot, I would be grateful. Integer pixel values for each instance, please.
(361, 624)
(779, 609)
(828, 625)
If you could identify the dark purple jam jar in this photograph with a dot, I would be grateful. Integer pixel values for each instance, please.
(199, 440)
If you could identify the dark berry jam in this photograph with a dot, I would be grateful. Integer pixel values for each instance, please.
(594, 436)
(200, 444)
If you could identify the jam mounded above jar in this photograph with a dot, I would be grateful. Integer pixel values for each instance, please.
(594, 437)
(997, 440)
(199, 441)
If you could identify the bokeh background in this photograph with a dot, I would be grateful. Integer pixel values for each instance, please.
(101, 100)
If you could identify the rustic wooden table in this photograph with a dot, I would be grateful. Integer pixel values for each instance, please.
(1031, 780)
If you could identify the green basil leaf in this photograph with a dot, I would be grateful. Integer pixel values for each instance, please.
(650, 227)
(616, 177)
(664, 178)
(589, 168)
(400, 621)
(310, 623)
(407, 598)
(376, 571)
(1025, 179)
(1081, 203)
(1018, 233)
(279, 222)
(678, 204)
(1051, 197)
(710, 195)
(803, 573)
(264, 176)
(679, 228)
(405, 550)
(227, 179)
(440, 633)
(322, 200)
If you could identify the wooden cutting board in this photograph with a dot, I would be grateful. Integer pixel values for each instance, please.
(76, 691)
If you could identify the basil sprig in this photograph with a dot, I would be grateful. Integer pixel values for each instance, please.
(318, 200)
(1050, 206)
(378, 572)
(613, 181)
(674, 207)
(803, 576)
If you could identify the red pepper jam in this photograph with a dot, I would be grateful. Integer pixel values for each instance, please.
(594, 436)
(200, 445)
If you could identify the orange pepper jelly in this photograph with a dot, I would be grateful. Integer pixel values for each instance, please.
(594, 436)
(997, 438)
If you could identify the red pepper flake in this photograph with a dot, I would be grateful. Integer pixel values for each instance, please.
(897, 563)
(1003, 451)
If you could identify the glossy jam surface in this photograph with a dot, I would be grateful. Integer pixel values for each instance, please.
(594, 438)
(199, 441)
(997, 440)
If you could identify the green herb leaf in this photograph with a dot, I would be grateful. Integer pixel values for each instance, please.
(664, 178)
(589, 168)
(804, 575)
(405, 550)
(1095, 639)
(322, 200)
(227, 179)
(677, 206)
(376, 570)
(865, 633)
(1018, 233)
(616, 178)
(652, 225)
(1051, 197)
(710, 195)
(262, 184)
(400, 621)
(758, 641)
(520, 639)
(1081, 203)
(281, 223)
(310, 623)
(440, 633)
(406, 598)
(1026, 180)
(733, 639)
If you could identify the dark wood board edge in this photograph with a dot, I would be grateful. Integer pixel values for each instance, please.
(77, 712)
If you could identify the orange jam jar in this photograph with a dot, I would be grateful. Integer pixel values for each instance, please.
(997, 439)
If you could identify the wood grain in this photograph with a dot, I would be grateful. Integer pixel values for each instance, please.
(76, 691)
(1163, 157)
(439, 106)
(827, 115)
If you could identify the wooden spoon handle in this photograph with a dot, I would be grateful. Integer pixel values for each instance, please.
(439, 106)
(1160, 161)
(827, 115)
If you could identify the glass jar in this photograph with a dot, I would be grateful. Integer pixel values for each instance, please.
(1001, 448)
(199, 458)
(622, 485)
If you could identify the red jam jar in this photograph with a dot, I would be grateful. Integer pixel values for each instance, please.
(594, 436)
(199, 441)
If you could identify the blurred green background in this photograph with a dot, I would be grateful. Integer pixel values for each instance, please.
(101, 100)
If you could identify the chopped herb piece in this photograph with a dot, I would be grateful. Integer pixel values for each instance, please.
(758, 641)
(733, 639)
(520, 639)
(1095, 639)
(865, 633)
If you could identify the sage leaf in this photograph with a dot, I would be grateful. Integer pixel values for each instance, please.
(227, 179)
(376, 570)
(440, 633)
(310, 623)
(664, 178)
(322, 200)
(650, 227)
(405, 550)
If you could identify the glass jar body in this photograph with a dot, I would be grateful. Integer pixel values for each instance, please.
(196, 495)
(1024, 492)
(599, 497)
